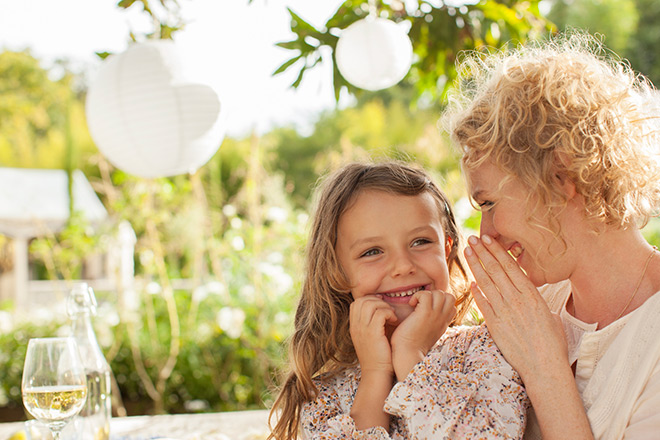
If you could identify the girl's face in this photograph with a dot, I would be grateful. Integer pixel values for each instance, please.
(505, 217)
(393, 245)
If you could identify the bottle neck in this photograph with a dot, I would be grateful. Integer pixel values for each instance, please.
(88, 346)
(82, 326)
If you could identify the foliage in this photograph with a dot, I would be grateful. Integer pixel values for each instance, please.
(438, 33)
(629, 27)
(228, 331)
(40, 117)
(13, 346)
(616, 20)
(62, 254)
(374, 128)
(643, 46)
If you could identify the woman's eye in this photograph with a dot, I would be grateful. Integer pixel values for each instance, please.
(486, 205)
(371, 252)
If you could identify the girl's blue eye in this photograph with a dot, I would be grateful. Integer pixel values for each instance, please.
(371, 252)
(421, 241)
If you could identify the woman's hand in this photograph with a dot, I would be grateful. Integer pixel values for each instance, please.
(417, 334)
(518, 318)
(530, 338)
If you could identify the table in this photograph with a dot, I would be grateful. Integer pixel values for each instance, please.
(236, 425)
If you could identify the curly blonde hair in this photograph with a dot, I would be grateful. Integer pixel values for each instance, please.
(566, 107)
(321, 342)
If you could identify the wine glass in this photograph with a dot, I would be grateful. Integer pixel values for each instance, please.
(54, 384)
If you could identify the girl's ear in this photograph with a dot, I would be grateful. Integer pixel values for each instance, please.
(448, 244)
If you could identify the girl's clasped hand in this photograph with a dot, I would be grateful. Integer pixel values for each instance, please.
(372, 320)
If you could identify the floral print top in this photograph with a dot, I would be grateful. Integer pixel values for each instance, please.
(463, 389)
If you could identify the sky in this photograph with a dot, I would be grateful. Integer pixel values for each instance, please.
(228, 44)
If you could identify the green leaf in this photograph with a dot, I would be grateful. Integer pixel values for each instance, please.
(296, 83)
(126, 3)
(287, 64)
(300, 23)
(290, 45)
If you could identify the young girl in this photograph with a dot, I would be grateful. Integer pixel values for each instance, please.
(382, 259)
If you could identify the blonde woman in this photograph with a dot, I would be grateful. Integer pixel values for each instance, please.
(560, 152)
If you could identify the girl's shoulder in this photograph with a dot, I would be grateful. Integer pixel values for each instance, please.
(468, 343)
(335, 380)
(467, 335)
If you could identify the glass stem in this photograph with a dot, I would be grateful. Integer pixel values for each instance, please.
(56, 433)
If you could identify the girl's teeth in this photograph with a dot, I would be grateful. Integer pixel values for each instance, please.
(405, 293)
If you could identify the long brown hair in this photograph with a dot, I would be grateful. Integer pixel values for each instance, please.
(321, 342)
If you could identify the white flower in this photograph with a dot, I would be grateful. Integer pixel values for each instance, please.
(153, 288)
(229, 210)
(275, 258)
(236, 223)
(247, 293)
(108, 315)
(281, 318)
(200, 293)
(230, 320)
(237, 243)
(146, 257)
(276, 214)
(196, 405)
(6, 322)
(303, 218)
(216, 287)
(283, 283)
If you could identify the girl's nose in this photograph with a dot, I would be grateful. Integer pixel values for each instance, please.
(402, 265)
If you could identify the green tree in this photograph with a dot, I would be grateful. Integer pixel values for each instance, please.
(438, 33)
(616, 20)
(42, 122)
(643, 50)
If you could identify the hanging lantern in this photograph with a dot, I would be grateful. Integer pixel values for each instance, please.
(147, 118)
(374, 53)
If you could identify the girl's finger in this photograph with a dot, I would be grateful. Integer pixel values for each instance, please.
(423, 299)
(383, 315)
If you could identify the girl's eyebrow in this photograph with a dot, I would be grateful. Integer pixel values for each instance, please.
(364, 241)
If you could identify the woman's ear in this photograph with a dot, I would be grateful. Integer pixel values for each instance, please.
(566, 185)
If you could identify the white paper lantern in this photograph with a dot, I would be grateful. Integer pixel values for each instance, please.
(147, 118)
(374, 53)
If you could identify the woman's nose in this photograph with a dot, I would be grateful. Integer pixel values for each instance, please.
(486, 225)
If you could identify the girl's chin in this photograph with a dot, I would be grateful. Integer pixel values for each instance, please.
(402, 312)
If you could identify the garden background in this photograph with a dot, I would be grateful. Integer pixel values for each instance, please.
(236, 228)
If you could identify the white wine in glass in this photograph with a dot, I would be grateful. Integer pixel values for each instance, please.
(54, 385)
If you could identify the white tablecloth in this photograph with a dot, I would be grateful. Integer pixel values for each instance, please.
(239, 425)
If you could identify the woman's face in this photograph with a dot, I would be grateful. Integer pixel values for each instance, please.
(505, 216)
(393, 246)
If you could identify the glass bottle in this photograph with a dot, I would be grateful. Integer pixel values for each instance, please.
(93, 423)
